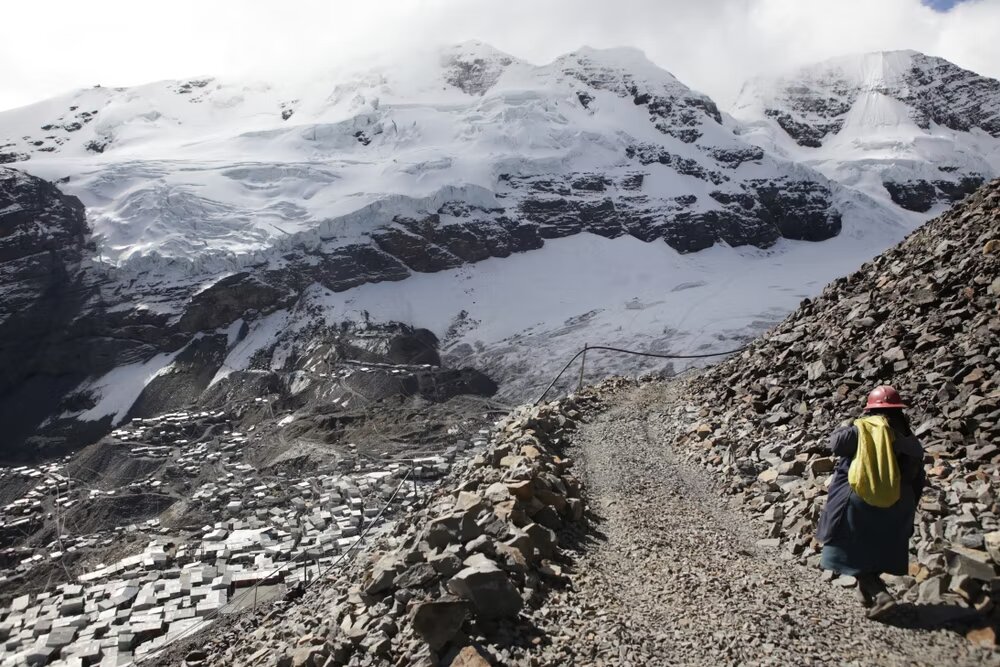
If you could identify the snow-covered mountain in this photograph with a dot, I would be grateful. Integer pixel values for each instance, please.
(216, 175)
(898, 124)
(515, 211)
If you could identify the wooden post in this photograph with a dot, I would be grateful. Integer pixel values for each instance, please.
(583, 363)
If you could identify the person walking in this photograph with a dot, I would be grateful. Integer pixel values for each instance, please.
(867, 522)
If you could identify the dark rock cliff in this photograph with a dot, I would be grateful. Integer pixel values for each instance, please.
(55, 329)
(43, 241)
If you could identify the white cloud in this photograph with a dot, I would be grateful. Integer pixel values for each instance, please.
(713, 45)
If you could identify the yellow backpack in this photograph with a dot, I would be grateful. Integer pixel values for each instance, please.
(874, 472)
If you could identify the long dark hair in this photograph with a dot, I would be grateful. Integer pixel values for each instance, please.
(898, 420)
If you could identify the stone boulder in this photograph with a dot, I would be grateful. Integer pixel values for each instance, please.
(489, 589)
(437, 622)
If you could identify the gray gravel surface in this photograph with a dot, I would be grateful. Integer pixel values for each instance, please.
(674, 575)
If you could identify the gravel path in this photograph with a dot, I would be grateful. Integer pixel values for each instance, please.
(676, 576)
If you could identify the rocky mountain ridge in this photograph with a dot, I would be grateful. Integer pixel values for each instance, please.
(902, 123)
(640, 134)
(229, 222)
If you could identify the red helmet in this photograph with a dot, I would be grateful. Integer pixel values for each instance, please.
(884, 396)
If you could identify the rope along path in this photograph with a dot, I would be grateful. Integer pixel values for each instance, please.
(637, 353)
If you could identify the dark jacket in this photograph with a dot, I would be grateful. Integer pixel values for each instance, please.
(844, 444)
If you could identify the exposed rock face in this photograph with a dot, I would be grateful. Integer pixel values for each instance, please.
(877, 112)
(43, 238)
(922, 317)
(948, 95)
(805, 134)
(674, 109)
(916, 196)
(43, 241)
(54, 326)
(472, 71)
(188, 376)
(920, 196)
(934, 90)
(758, 213)
(229, 299)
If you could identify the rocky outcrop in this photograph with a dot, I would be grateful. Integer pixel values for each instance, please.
(920, 196)
(757, 212)
(231, 298)
(55, 328)
(916, 196)
(814, 103)
(853, 106)
(922, 317)
(43, 243)
(948, 95)
(810, 135)
(673, 108)
(474, 73)
(448, 586)
(187, 377)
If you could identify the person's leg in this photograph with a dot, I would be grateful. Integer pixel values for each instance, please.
(867, 588)
(872, 582)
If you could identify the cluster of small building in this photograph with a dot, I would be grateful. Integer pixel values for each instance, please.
(120, 612)
(46, 484)
(273, 533)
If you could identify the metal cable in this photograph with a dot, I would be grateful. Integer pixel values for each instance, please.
(632, 352)
(364, 533)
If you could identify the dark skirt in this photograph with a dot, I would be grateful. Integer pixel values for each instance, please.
(872, 540)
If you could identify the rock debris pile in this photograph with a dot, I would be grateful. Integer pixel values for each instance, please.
(455, 582)
(924, 317)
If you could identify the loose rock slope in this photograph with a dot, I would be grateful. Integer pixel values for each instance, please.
(924, 317)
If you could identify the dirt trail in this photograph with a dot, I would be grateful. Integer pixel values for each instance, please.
(676, 576)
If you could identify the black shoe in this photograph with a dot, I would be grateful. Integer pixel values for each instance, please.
(881, 607)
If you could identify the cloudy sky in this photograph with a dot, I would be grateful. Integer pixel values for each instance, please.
(713, 45)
